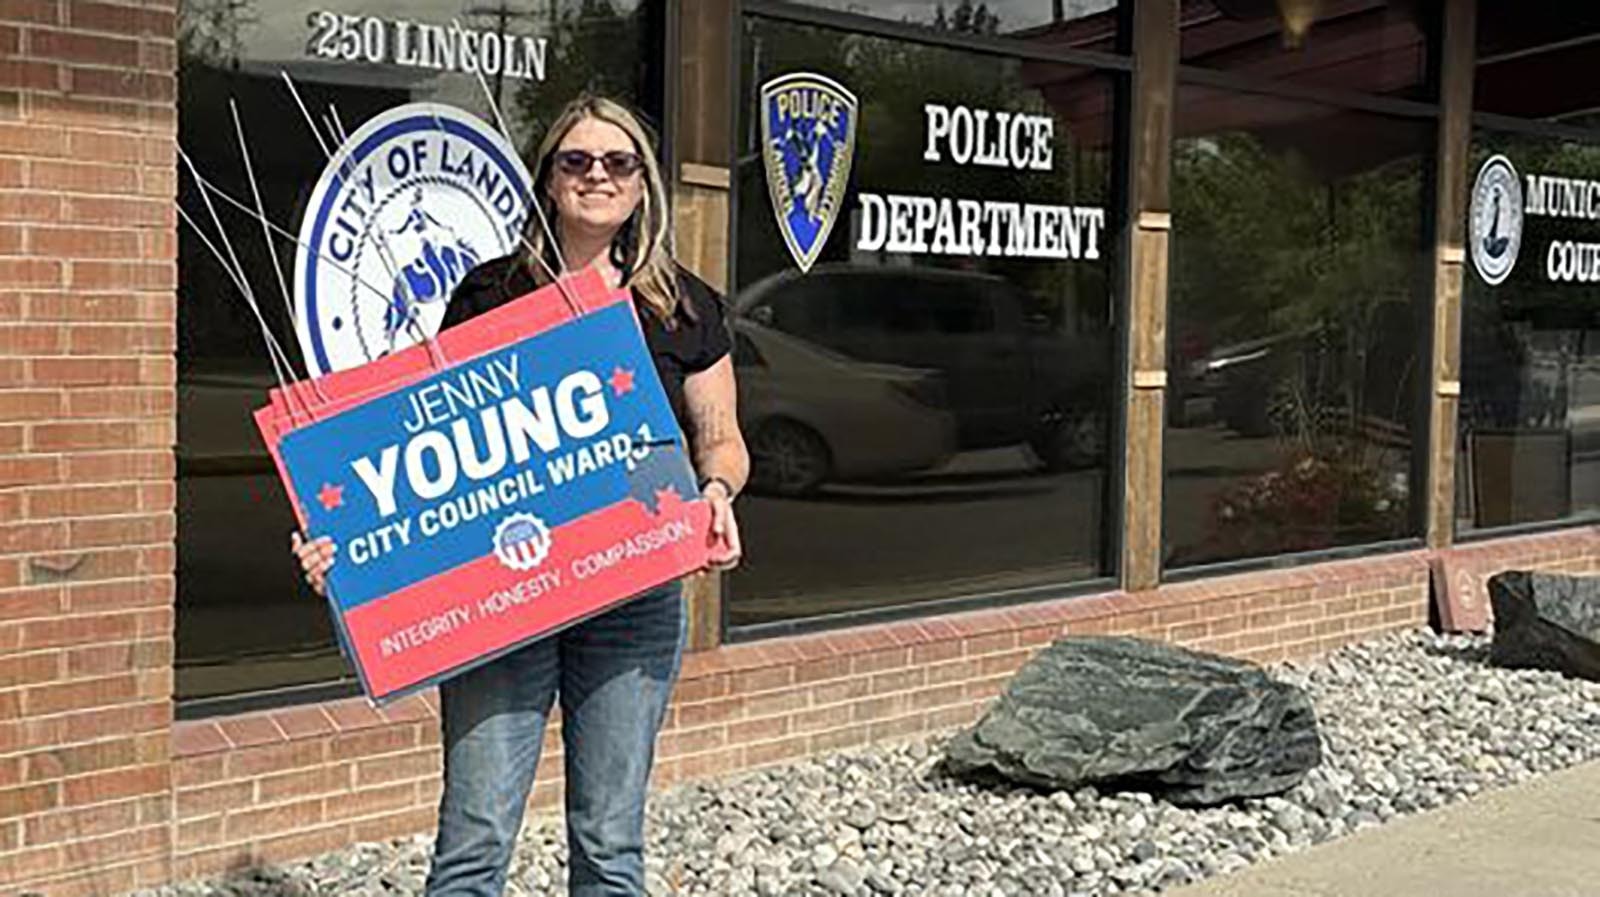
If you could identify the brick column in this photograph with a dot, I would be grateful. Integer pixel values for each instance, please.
(87, 278)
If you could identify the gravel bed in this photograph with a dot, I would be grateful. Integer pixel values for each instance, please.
(1410, 722)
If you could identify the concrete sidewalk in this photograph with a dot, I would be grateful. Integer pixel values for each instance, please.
(1541, 839)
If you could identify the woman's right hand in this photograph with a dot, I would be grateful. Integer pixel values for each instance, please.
(316, 559)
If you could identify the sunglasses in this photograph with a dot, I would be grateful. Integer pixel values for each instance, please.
(618, 163)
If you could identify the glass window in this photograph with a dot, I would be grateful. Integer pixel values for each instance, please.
(930, 421)
(245, 621)
(1075, 24)
(1530, 333)
(1369, 46)
(1298, 280)
(1529, 382)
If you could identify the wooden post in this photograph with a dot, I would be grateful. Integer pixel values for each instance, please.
(702, 134)
(1449, 263)
(1155, 55)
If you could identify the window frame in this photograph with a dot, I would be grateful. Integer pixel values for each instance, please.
(1430, 113)
(1118, 69)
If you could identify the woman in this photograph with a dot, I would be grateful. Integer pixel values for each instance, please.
(602, 189)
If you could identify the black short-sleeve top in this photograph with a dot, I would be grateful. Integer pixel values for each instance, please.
(698, 339)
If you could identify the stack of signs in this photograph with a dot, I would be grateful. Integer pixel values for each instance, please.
(520, 474)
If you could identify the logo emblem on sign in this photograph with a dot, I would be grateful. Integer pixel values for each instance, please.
(808, 137)
(411, 202)
(521, 541)
(1495, 219)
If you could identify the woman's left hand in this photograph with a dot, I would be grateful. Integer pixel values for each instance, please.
(726, 549)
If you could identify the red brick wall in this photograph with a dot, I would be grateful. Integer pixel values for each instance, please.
(87, 274)
(1462, 572)
(286, 783)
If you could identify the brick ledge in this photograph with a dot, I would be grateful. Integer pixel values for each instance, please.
(1148, 612)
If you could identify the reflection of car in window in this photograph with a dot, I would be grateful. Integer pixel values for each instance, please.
(1266, 386)
(1011, 375)
(811, 415)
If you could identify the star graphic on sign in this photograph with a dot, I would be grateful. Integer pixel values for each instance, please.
(331, 496)
(621, 381)
(667, 500)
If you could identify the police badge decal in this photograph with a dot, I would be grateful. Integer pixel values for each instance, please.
(412, 201)
(808, 136)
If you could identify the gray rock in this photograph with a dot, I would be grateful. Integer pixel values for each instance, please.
(1291, 820)
(770, 883)
(1361, 818)
(1327, 802)
(843, 877)
(861, 816)
(1194, 728)
(1010, 885)
(1176, 872)
(1547, 622)
(732, 843)
(881, 883)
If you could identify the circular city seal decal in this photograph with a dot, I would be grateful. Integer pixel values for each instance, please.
(522, 541)
(411, 202)
(1495, 219)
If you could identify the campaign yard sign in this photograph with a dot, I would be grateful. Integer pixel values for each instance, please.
(520, 475)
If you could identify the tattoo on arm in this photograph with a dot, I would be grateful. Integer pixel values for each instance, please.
(711, 423)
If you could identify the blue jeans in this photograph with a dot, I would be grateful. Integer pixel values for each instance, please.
(614, 674)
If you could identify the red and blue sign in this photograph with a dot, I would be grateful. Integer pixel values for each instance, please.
(519, 475)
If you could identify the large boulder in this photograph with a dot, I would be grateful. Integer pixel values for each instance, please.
(1546, 621)
(1128, 713)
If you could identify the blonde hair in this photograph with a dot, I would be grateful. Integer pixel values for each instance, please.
(642, 248)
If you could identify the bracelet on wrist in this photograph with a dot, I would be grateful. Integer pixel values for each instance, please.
(708, 482)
